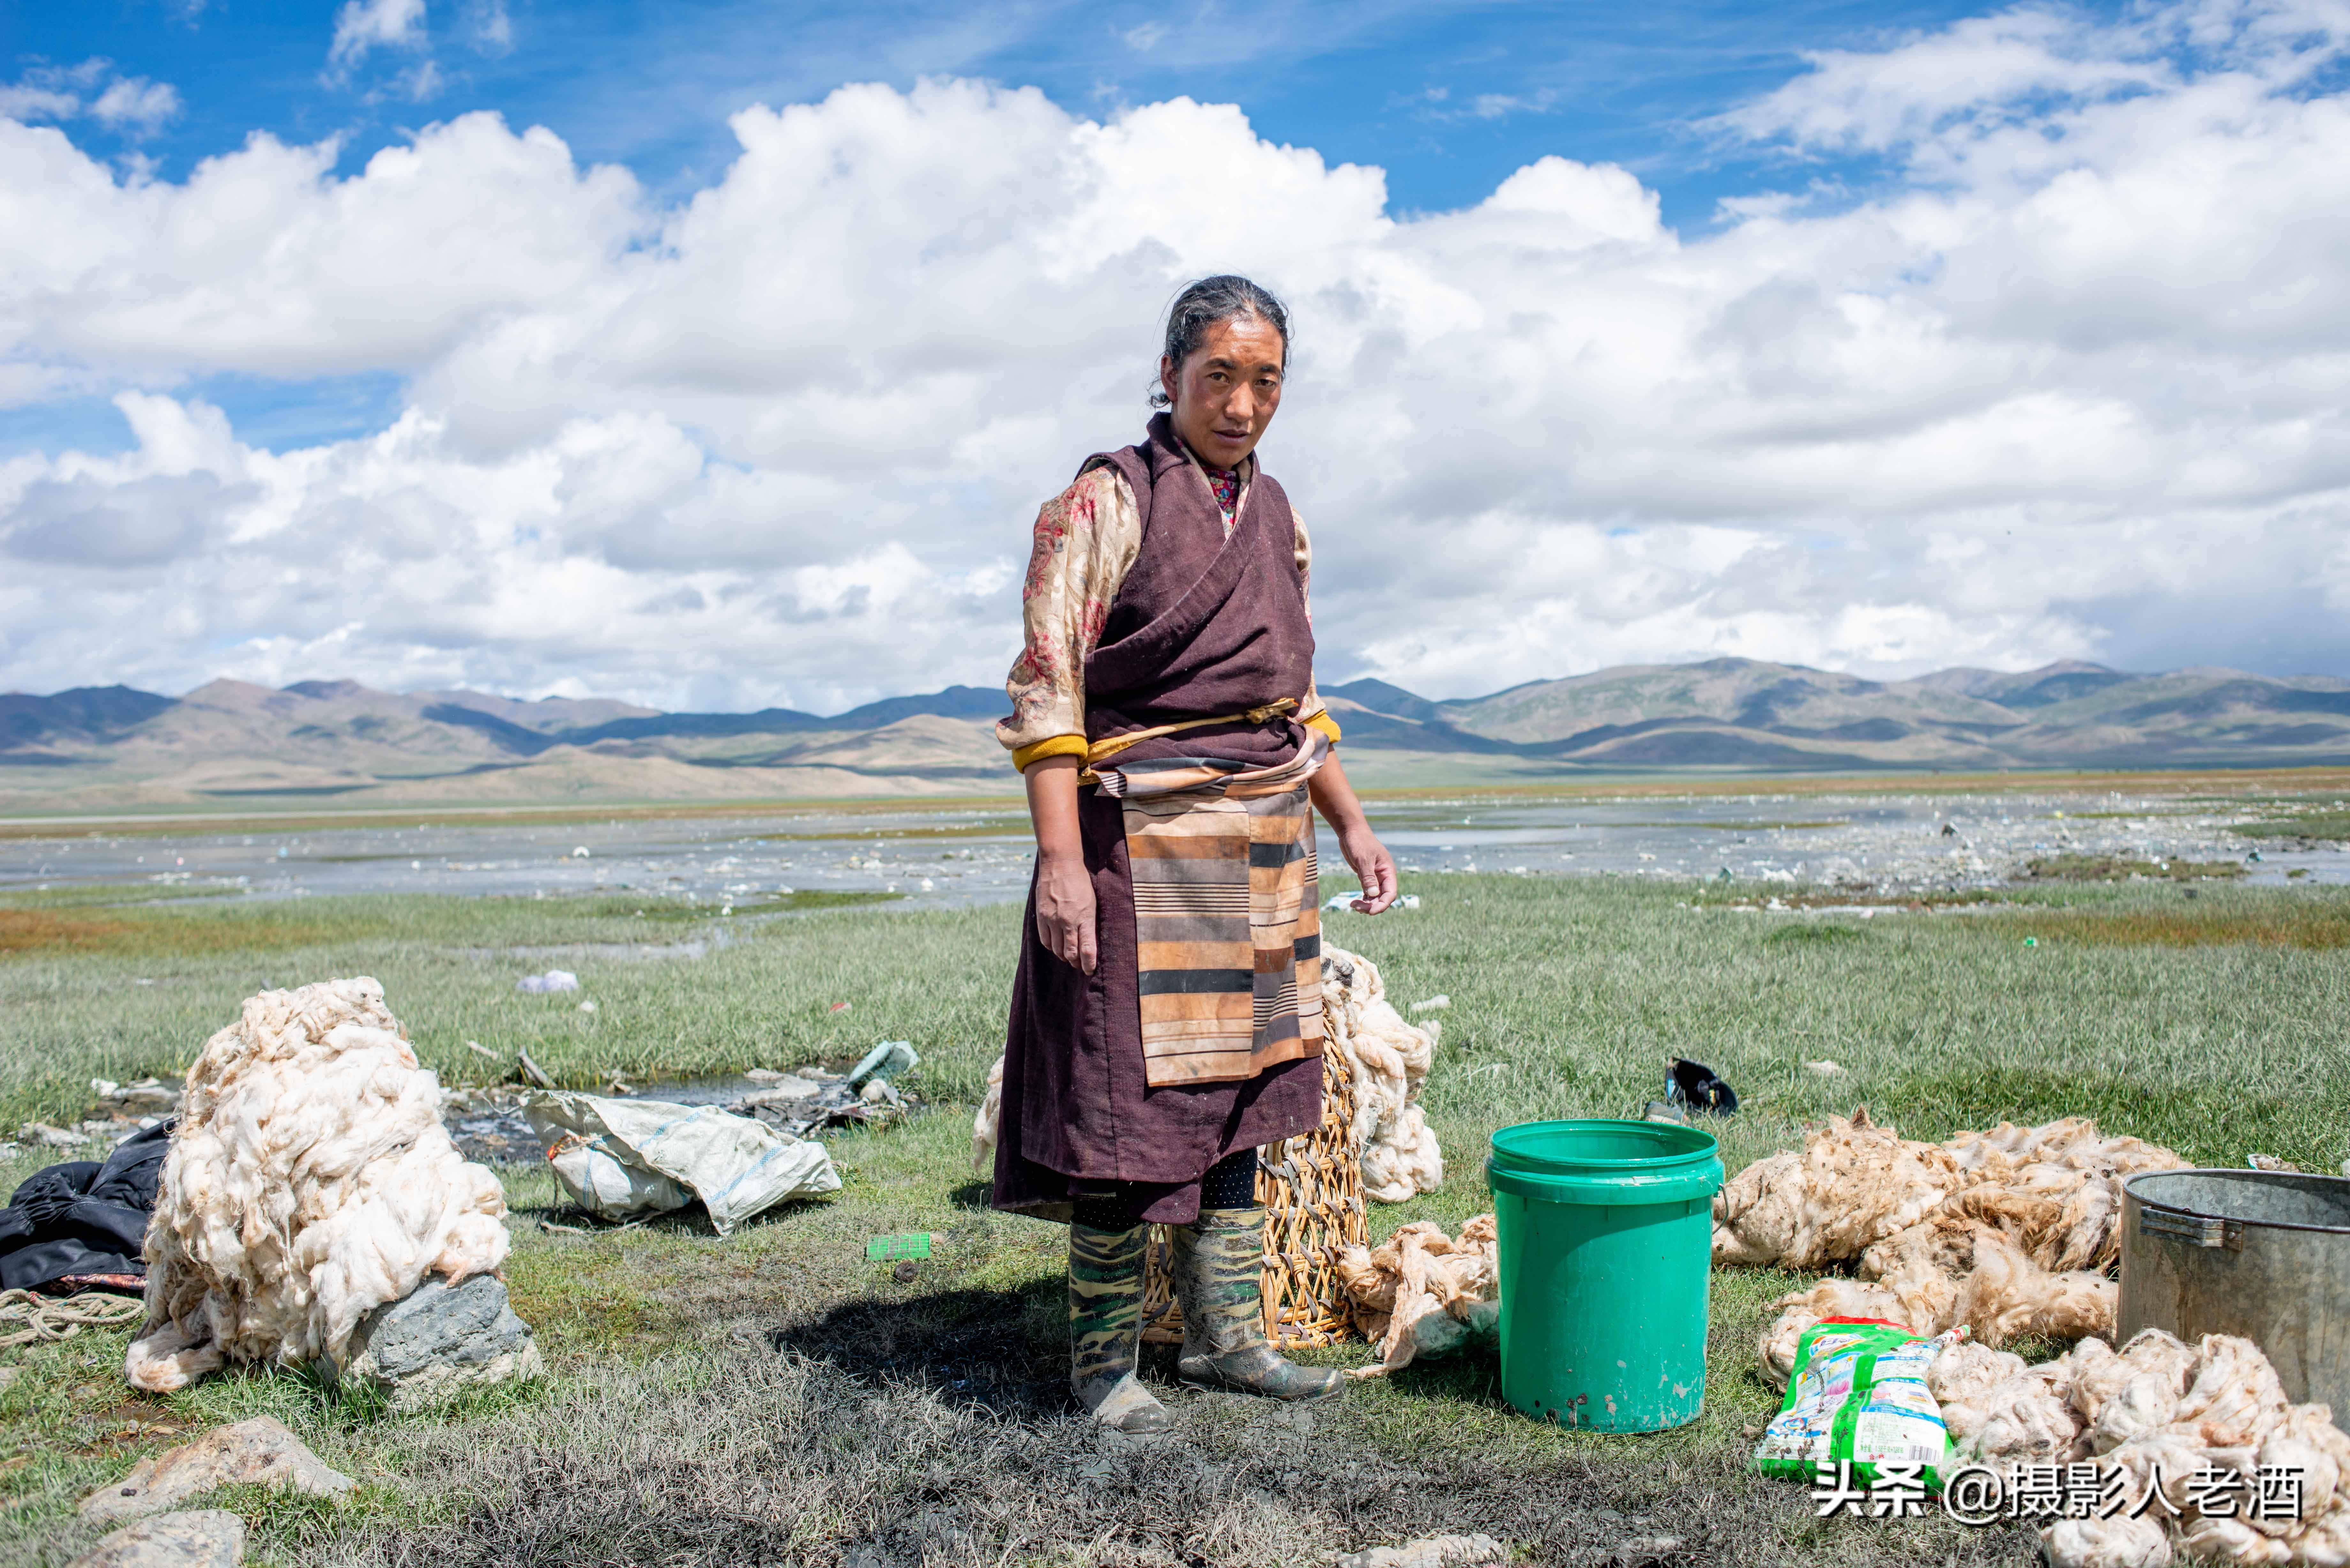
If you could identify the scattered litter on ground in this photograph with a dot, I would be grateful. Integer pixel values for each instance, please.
(1660, 1111)
(890, 1249)
(308, 1181)
(885, 1060)
(531, 1071)
(478, 1049)
(148, 1097)
(2271, 1162)
(1434, 1552)
(838, 1007)
(1858, 1397)
(588, 1006)
(1696, 1086)
(259, 1452)
(811, 1100)
(2007, 1231)
(1433, 1004)
(1421, 1293)
(623, 1157)
(194, 1538)
(1823, 1067)
(552, 980)
(487, 1124)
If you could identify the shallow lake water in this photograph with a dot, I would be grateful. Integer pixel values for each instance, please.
(958, 858)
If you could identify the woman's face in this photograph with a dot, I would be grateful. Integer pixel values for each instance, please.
(1226, 390)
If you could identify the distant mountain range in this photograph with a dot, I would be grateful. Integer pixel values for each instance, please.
(112, 747)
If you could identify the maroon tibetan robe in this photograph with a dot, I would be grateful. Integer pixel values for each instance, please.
(1204, 624)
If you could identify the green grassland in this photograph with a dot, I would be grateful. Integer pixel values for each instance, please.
(773, 1397)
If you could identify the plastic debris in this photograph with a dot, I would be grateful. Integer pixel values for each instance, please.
(531, 1071)
(552, 980)
(1858, 1395)
(1433, 1004)
(885, 1060)
(1823, 1067)
(623, 1157)
(838, 1007)
(588, 1006)
(890, 1249)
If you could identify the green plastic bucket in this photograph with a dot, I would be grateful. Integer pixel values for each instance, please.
(1605, 1232)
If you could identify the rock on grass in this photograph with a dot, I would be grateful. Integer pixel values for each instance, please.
(260, 1450)
(204, 1538)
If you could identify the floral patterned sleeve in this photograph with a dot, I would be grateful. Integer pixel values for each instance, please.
(1086, 539)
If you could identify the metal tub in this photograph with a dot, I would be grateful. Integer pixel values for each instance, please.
(2264, 1254)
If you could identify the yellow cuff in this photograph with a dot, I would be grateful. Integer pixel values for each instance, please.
(1052, 746)
(1327, 724)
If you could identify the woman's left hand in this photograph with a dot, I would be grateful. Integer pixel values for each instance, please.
(1373, 866)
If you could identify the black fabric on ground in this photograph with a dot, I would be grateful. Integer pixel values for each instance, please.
(83, 1217)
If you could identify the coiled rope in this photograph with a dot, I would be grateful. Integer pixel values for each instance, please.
(47, 1319)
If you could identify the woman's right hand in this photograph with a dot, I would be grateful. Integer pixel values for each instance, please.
(1064, 911)
(1065, 890)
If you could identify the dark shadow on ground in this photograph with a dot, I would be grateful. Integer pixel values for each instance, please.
(968, 1347)
(972, 1195)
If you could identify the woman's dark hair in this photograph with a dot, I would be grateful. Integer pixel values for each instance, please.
(1205, 303)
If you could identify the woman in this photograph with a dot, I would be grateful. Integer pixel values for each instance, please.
(1167, 1015)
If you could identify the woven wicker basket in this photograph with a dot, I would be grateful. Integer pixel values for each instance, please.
(1312, 1189)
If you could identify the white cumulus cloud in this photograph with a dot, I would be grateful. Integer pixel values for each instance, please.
(364, 24)
(2067, 380)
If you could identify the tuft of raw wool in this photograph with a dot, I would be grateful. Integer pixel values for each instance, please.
(2054, 1191)
(2161, 1412)
(983, 1124)
(1391, 1059)
(1421, 1293)
(2018, 1224)
(2001, 1411)
(309, 1182)
(1854, 1184)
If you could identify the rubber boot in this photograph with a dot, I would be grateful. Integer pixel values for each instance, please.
(1104, 1326)
(1217, 1264)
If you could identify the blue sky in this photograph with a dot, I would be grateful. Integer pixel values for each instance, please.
(1874, 337)
(1448, 98)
